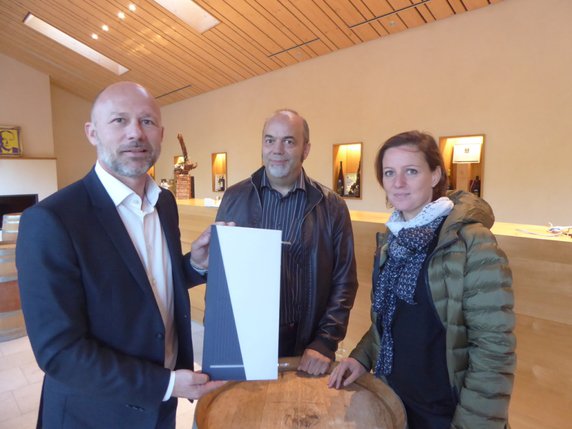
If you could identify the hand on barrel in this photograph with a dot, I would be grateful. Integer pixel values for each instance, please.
(314, 363)
(193, 385)
(345, 373)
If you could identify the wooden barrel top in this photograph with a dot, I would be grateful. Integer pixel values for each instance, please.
(297, 400)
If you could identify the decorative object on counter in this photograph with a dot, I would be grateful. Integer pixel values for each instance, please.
(551, 231)
(11, 141)
(184, 182)
(559, 229)
(184, 187)
(184, 166)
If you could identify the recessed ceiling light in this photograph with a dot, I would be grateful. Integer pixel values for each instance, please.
(94, 36)
(121, 15)
(75, 45)
(191, 13)
(132, 7)
(105, 27)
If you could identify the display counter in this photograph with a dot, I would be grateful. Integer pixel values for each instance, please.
(542, 281)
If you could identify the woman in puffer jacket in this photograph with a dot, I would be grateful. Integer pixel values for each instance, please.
(442, 301)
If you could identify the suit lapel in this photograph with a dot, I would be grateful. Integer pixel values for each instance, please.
(111, 222)
(171, 231)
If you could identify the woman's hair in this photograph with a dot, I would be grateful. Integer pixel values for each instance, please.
(425, 144)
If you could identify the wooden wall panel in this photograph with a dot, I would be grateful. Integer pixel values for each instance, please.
(542, 396)
(542, 277)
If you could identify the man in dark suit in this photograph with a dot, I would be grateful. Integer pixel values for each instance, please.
(103, 281)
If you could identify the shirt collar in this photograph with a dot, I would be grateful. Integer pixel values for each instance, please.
(299, 184)
(119, 191)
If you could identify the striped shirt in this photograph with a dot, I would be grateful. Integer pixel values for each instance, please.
(286, 213)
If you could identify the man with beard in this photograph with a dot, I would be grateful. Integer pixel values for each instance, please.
(318, 279)
(103, 281)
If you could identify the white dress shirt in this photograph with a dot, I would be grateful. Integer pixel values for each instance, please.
(144, 227)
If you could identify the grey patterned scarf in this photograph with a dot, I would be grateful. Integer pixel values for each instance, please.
(407, 251)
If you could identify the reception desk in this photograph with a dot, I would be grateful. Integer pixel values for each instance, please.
(542, 272)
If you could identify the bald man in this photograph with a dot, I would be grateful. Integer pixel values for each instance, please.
(318, 279)
(103, 281)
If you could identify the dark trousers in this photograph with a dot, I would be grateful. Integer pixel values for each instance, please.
(167, 414)
(287, 339)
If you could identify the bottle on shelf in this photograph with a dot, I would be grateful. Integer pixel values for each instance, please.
(340, 181)
(221, 183)
(355, 187)
(449, 180)
(476, 186)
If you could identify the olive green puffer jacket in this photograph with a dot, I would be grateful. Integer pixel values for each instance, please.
(471, 287)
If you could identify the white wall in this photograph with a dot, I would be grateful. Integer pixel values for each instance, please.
(25, 102)
(74, 152)
(28, 176)
(503, 71)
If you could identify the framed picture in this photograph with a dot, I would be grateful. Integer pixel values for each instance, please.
(11, 144)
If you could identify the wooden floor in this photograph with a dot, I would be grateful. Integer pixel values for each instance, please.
(21, 383)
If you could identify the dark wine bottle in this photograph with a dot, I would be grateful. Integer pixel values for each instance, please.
(476, 186)
(355, 187)
(358, 182)
(340, 182)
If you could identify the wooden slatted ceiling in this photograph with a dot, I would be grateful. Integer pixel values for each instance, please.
(175, 62)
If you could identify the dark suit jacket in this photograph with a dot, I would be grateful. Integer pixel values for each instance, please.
(91, 315)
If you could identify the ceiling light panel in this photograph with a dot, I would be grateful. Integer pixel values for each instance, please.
(75, 45)
(191, 13)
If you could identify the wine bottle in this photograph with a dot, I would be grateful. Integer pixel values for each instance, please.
(476, 186)
(358, 182)
(340, 182)
(355, 187)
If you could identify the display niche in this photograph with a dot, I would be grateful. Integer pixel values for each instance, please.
(347, 170)
(219, 171)
(464, 161)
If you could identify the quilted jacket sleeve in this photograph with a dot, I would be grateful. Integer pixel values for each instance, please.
(488, 312)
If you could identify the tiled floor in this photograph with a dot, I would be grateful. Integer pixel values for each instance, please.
(21, 382)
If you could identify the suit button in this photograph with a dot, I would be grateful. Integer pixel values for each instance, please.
(135, 407)
(160, 336)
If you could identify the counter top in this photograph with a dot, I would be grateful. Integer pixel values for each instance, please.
(538, 232)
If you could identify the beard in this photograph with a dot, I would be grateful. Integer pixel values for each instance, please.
(112, 159)
(284, 170)
(278, 171)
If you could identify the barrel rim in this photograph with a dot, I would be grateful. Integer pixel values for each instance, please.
(368, 381)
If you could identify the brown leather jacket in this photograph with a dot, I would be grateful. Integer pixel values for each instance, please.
(328, 247)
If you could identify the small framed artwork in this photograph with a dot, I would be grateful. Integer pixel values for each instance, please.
(11, 144)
